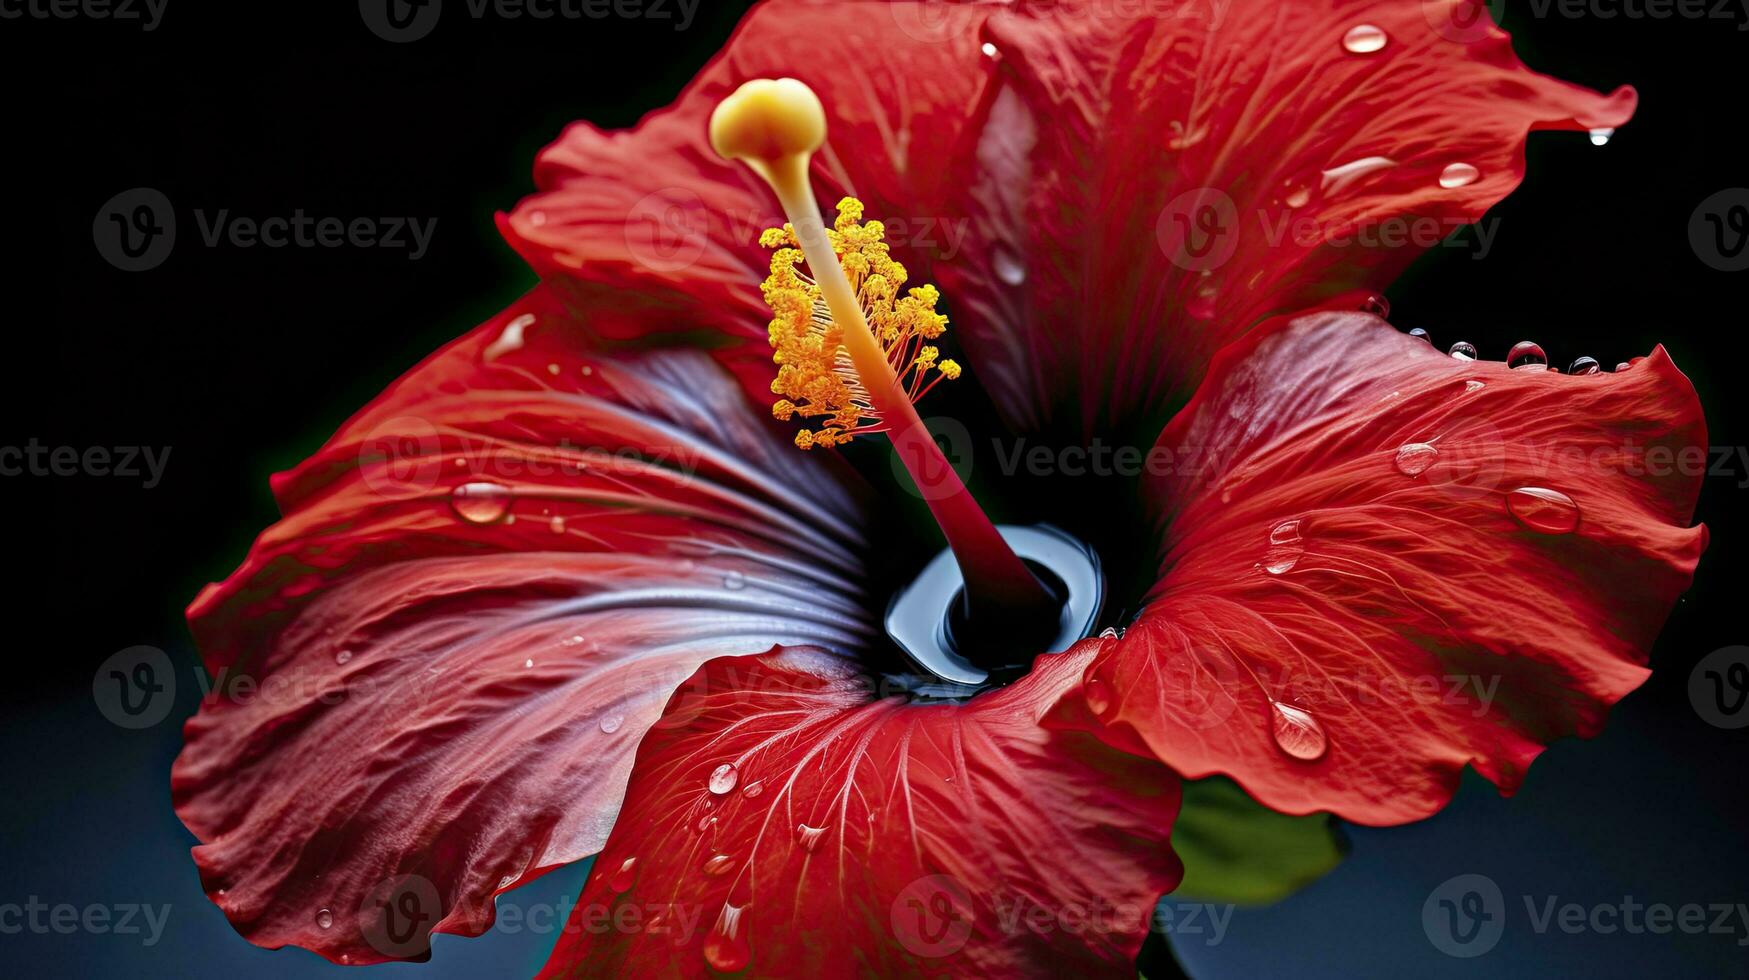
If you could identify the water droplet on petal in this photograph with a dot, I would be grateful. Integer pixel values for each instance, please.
(718, 865)
(325, 919)
(610, 723)
(1297, 732)
(723, 778)
(704, 823)
(1584, 365)
(1298, 197)
(343, 657)
(1097, 695)
(1414, 458)
(1008, 267)
(809, 837)
(511, 339)
(1420, 334)
(1457, 175)
(725, 949)
(1377, 305)
(1109, 633)
(625, 877)
(734, 580)
(557, 524)
(1285, 548)
(1623, 366)
(1474, 385)
(1202, 302)
(1363, 39)
(1336, 178)
(1527, 356)
(481, 503)
(989, 50)
(1543, 510)
(1463, 350)
(528, 663)
(753, 789)
(1601, 135)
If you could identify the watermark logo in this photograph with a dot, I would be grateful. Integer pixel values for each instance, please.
(1718, 687)
(1462, 21)
(667, 230)
(922, 472)
(400, 21)
(1199, 229)
(1464, 916)
(135, 688)
(1718, 230)
(933, 916)
(397, 916)
(135, 230)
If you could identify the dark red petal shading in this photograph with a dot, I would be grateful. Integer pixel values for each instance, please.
(653, 234)
(1112, 123)
(1394, 588)
(874, 837)
(459, 699)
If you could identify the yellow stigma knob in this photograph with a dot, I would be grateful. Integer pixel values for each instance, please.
(768, 119)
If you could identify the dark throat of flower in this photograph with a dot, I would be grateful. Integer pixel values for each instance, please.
(854, 353)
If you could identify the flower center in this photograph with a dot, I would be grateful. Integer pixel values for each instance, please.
(853, 352)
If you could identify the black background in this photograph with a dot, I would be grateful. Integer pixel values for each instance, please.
(243, 360)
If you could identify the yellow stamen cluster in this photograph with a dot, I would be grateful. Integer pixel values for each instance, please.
(815, 377)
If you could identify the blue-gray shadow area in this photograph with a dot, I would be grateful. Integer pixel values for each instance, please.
(1601, 831)
(90, 826)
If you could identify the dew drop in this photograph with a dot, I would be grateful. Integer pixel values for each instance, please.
(1584, 365)
(1463, 350)
(1097, 694)
(1285, 548)
(610, 723)
(1414, 458)
(1601, 135)
(1542, 510)
(1202, 302)
(989, 50)
(528, 663)
(1420, 334)
(1457, 175)
(1623, 366)
(511, 339)
(343, 657)
(1379, 306)
(325, 919)
(1363, 39)
(753, 789)
(725, 949)
(623, 879)
(1298, 197)
(557, 524)
(1337, 178)
(1527, 356)
(735, 581)
(809, 837)
(719, 865)
(1109, 633)
(1474, 385)
(1008, 267)
(723, 778)
(1296, 732)
(704, 823)
(481, 503)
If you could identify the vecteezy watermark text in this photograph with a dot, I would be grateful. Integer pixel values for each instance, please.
(402, 21)
(148, 14)
(33, 915)
(145, 463)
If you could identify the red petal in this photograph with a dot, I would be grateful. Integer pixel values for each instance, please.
(1112, 125)
(652, 233)
(1407, 574)
(874, 837)
(458, 699)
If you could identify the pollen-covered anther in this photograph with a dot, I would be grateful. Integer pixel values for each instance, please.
(816, 378)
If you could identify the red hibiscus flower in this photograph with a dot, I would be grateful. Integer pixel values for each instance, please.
(567, 588)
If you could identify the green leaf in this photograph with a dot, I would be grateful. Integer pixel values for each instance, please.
(1238, 850)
